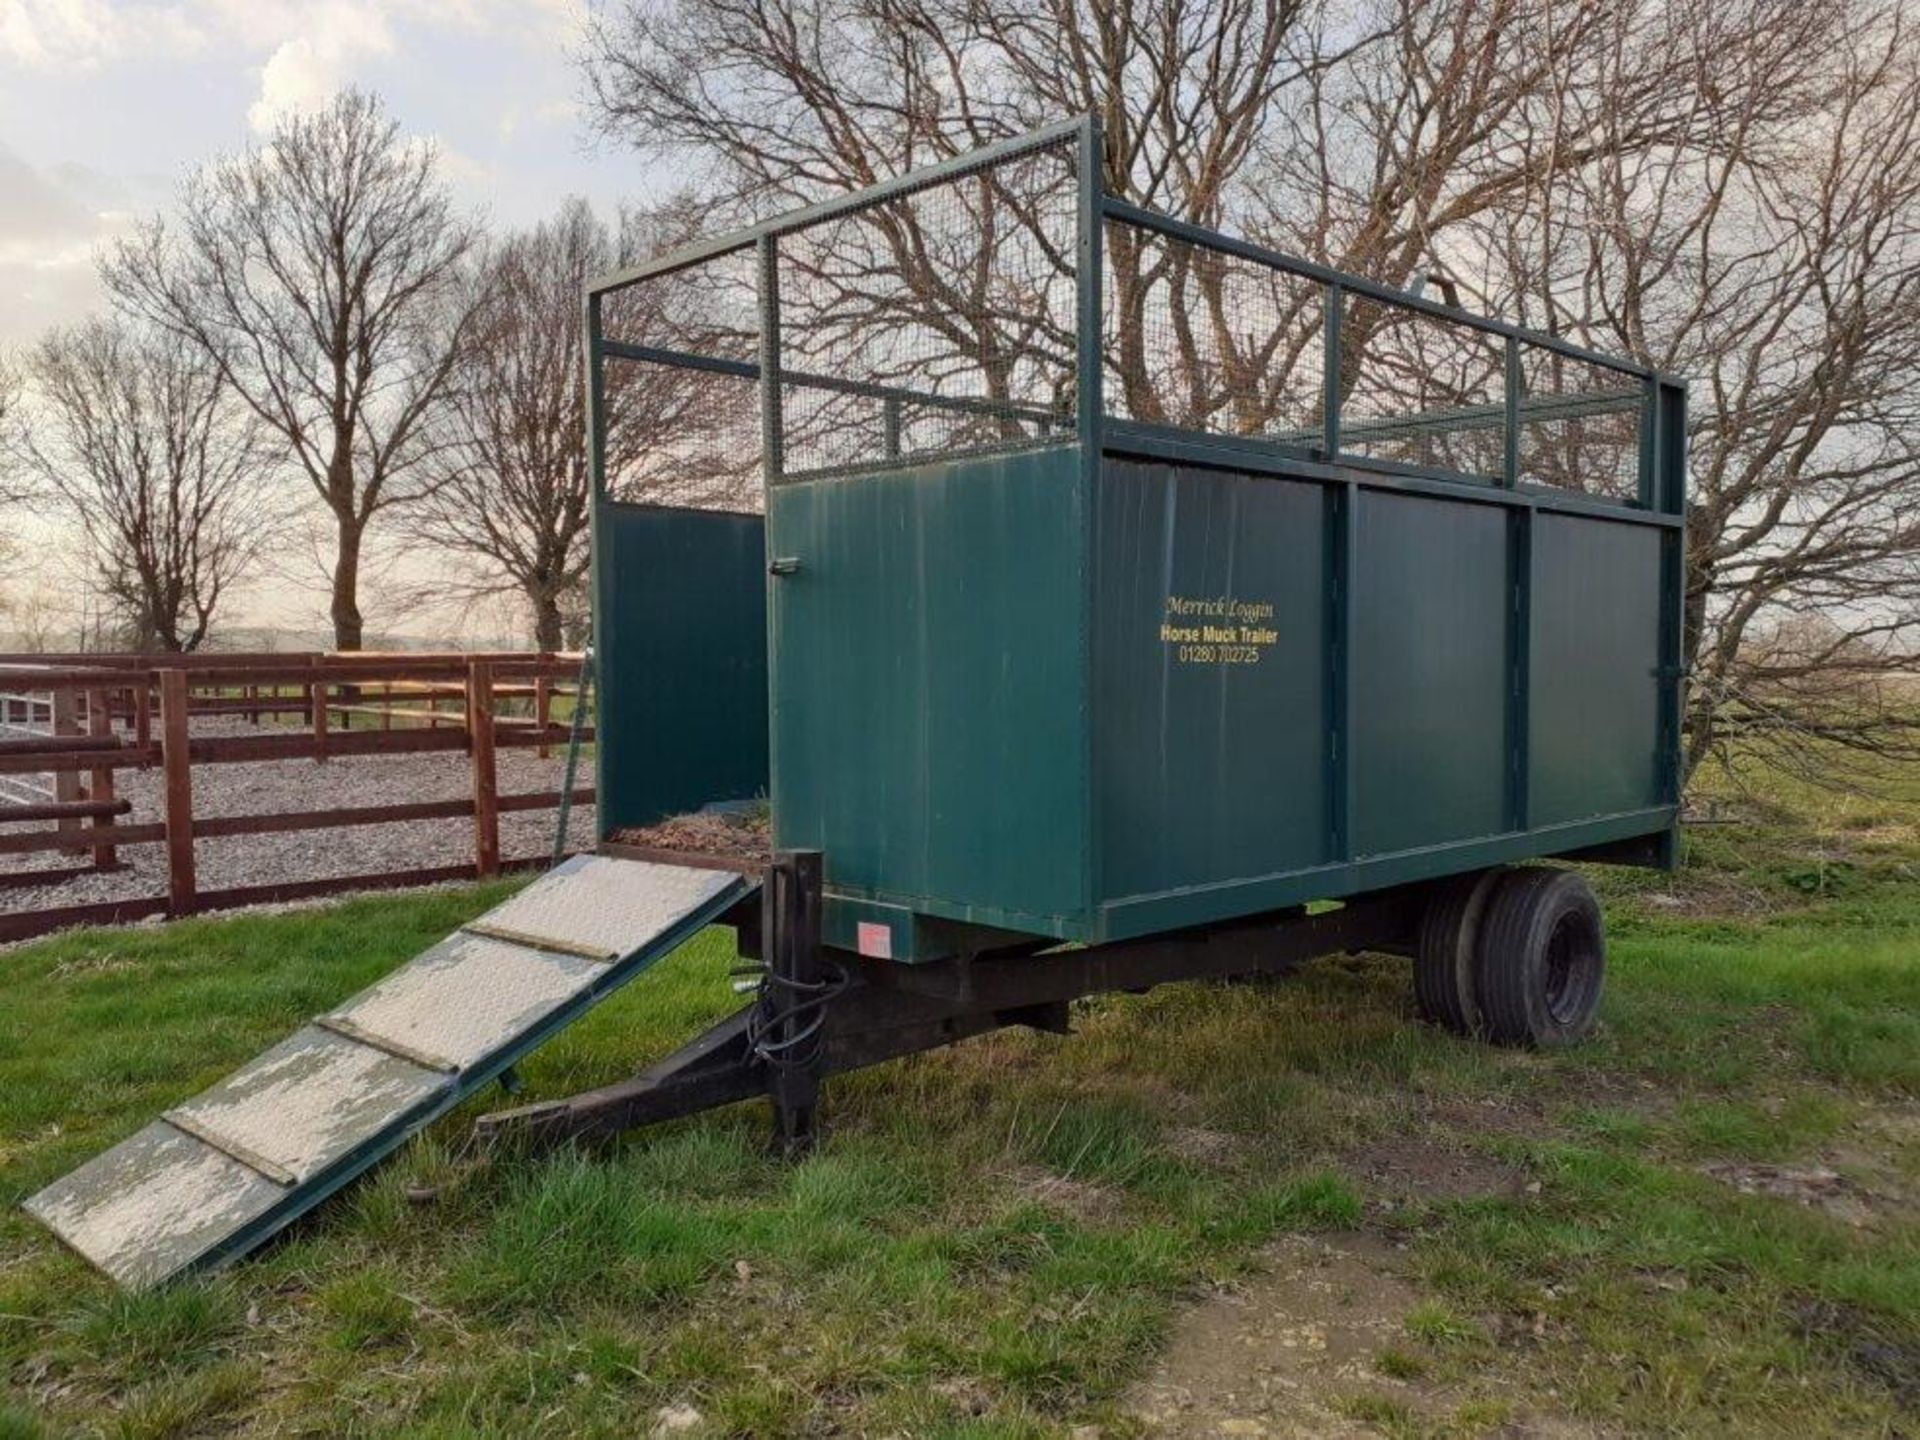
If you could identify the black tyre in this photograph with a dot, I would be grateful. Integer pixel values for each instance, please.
(1445, 961)
(1542, 958)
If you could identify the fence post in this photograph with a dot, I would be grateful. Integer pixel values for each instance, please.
(141, 697)
(542, 707)
(100, 780)
(179, 785)
(486, 786)
(66, 783)
(317, 705)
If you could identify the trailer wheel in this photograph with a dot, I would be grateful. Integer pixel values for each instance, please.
(1446, 955)
(1542, 958)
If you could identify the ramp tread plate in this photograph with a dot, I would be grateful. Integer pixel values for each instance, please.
(310, 1100)
(537, 942)
(601, 903)
(467, 997)
(156, 1203)
(187, 1125)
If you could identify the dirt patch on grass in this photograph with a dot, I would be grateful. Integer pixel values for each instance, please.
(1856, 1181)
(1813, 1186)
(1890, 1363)
(1318, 1346)
(1079, 1199)
(1710, 894)
(1406, 1168)
(1200, 1146)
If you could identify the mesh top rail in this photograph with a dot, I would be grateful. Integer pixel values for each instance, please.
(1001, 299)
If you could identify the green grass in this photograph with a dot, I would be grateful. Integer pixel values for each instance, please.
(996, 1239)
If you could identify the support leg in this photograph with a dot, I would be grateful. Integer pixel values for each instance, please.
(790, 1021)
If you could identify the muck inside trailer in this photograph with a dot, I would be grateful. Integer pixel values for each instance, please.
(1090, 598)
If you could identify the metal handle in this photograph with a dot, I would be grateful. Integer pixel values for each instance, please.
(784, 565)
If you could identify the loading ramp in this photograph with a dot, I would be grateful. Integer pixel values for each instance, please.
(232, 1166)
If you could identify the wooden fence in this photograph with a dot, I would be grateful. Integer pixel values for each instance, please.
(105, 714)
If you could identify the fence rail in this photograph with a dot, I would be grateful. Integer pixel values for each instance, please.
(98, 715)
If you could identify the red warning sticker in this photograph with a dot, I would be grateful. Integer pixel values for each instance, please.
(875, 940)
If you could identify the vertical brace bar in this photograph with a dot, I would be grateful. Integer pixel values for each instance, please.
(1519, 666)
(791, 927)
(1090, 382)
(598, 574)
(1648, 490)
(1343, 550)
(1516, 381)
(181, 892)
(596, 398)
(773, 457)
(1667, 469)
(890, 426)
(1090, 359)
(1330, 369)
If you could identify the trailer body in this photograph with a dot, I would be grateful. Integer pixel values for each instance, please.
(1086, 666)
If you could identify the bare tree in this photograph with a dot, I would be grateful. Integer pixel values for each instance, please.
(317, 271)
(1724, 188)
(510, 486)
(13, 486)
(1778, 269)
(140, 441)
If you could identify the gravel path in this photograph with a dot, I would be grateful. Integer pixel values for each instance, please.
(277, 786)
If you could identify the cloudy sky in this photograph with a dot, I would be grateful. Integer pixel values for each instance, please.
(104, 104)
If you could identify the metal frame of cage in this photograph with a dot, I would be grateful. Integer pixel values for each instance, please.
(1331, 441)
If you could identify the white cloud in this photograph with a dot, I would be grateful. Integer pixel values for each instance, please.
(51, 228)
(64, 35)
(307, 68)
(288, 56)
(310, 49)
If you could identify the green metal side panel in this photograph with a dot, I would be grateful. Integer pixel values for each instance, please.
(1594, 732)
(680, 616)
(929, 724)
(1429, 672)
(1210, 702)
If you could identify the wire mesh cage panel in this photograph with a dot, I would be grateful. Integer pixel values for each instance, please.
(1420, 390)
(680, 402)
(938, 321)
(950, 312)
(1579, 425)
(1204, 340)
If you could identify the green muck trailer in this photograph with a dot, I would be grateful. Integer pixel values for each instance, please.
(1086, 594)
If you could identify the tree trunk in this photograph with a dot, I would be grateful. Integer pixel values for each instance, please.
(548, 632)
(347, 626)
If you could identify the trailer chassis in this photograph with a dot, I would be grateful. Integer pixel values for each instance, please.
(822, 1012)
